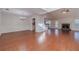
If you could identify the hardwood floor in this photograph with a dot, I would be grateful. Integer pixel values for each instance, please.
(51, 40)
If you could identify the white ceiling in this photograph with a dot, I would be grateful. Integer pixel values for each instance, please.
(55, 13)
(28, 11)
(73, 13)
(50, 9)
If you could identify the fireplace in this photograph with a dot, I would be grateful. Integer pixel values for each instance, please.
(65, 27)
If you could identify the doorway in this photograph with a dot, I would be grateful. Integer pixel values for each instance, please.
(33, 24)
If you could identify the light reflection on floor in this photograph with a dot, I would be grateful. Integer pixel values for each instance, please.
(76, 36)
(56, 32)
(41, 38)
(49, 32)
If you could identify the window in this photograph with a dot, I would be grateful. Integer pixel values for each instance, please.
(77, 23)
(56, 24)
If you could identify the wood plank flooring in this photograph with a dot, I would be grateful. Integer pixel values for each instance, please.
(51, 40)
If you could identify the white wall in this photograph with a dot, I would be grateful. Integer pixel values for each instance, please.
(12, 23)
(74, 26)
(68, 20)
(52, 24)
(0, 23)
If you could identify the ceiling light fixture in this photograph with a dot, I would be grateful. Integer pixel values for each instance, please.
(65, 11)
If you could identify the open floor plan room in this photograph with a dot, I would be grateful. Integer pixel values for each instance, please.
(39, 29)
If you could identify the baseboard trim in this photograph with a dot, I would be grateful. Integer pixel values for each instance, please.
(16, 31)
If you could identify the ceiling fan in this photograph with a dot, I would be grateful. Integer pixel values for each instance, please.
(65, 11)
